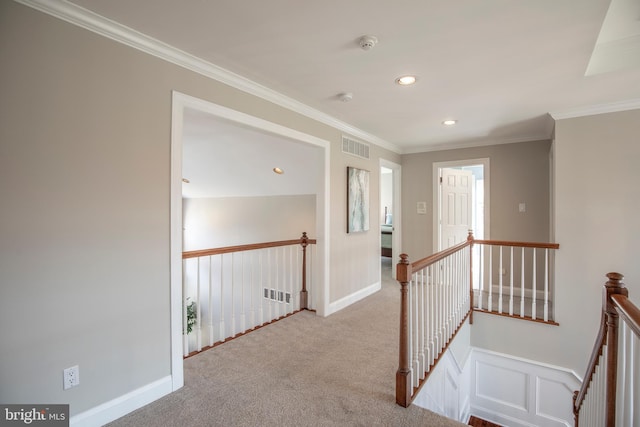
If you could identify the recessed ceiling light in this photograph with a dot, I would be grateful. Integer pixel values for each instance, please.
(406, 80)
(345, 96)
(449, 122)
(278, 171)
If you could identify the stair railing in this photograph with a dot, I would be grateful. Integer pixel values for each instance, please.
(231, 290)
(435, 300)
(437, 295)
(610, 389)
(514, 279)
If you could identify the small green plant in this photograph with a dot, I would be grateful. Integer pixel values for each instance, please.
(191, 315)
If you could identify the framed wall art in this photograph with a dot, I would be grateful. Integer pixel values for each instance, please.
(357, 200)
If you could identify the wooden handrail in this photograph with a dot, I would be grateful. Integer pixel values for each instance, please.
(404, 273)
(614, 301)
(628, 312)
(518, 244)
(303, 241)
(432, 259)
(242, 248)
(579, 395)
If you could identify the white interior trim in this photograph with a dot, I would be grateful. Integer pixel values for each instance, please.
(180, 103)
(122, 405)
(354, 297)
(98, 24)
(612, 107)
(177, 122)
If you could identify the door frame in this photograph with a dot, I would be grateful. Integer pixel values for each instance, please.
(180, 102)
(396, 237)
(437, 208)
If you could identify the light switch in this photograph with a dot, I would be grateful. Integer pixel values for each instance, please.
(422, 207)
(522, 207)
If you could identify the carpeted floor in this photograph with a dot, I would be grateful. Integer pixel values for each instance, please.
(304, 370)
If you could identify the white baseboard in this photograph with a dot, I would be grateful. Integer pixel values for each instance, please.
(354, 297)
(120, 406)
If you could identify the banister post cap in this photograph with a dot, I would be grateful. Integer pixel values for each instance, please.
(615, 280)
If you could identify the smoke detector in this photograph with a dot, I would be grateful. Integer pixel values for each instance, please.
(368, 42)
(345, 96)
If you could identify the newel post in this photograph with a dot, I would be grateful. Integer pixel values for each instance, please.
(613, 286)
(403, 380)
(304, 242)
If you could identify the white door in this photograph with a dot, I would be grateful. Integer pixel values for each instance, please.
(456, 195)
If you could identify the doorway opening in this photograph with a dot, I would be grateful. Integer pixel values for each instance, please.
(461, 201)
(180, 104)
(389, 215)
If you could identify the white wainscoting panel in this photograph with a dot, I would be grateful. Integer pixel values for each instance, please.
(447, 389)
(517, 392)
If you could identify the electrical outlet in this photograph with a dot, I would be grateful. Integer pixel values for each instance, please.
(71, 377)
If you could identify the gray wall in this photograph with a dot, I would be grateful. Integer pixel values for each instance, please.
(596, 206)
(85, 128)
(519, 173)
(229, 221)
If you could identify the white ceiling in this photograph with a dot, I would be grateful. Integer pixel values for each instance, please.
(224, 159)
(502, 68)
(497, 66)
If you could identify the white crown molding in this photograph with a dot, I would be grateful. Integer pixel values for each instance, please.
(614, 107)
(98, 24)
(482, 142)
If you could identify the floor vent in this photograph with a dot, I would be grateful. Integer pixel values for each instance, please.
(275, 295)
(356, 148)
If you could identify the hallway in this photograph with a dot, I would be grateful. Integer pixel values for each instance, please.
(302, 370)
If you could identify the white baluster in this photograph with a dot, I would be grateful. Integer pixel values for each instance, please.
(243, 319)
(450, 295)
(430, 316)
(269, 286)
(254, 290)
(442, 306)
(437, 273)
(411, 328)
(546, 285)
(261, 288)
(423, 326)
(511, 283)
(522, 293)
(298, 277)
(533, 287)
(480, 275)
(212, 338)
(500, 283)
(185, 336)
(233, 296)
(481, 251)
(198, 310)
(223, 334)
(490, 284)
(291, 287)
(459, 268)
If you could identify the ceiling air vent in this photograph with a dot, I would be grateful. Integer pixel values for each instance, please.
(357, 148)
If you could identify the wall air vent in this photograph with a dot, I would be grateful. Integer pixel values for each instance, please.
(356, 148)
